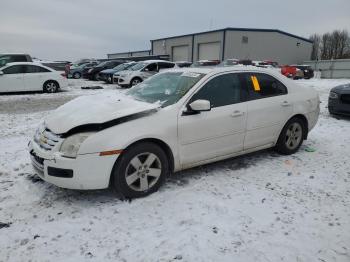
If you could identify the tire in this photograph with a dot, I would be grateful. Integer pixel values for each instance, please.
(51, 87)
(95, 77)
(76, 75)
(133, 177)
(291, 137)
(135, 81)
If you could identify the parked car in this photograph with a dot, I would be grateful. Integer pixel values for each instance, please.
(141, 71)
(297, 71)
(205, 63)
(230, 62)
(308, 72)
(79, 71)
(107, 75)
(28, 76)
(93, 73)
(172, 121)
(339, 100)
(182, 64)
(72, 66)
(11, 58)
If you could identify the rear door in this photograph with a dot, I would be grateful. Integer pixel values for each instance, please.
(34, 77)
(218, 132)
(12, 79)
(269, 107)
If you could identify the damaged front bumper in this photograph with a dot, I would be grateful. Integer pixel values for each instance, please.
(88, 171)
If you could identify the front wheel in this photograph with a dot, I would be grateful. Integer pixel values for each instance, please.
(291, 137)
(76, 75)
(51, 87)
(135, 81)
(140, 170)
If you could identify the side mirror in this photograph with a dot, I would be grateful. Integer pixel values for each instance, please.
(1, 73)
(200, 105)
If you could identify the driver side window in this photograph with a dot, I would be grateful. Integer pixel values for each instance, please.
(221, 91)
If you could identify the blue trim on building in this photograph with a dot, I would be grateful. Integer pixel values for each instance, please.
(239, 29)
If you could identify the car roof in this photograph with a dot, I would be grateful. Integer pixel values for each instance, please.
(154, 61)
(24, 63)
(216, 70)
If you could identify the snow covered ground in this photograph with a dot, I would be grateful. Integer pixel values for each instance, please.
(260, 207)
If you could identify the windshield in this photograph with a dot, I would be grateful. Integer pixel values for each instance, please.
(138, 66)
(166, 88)
(102, 64)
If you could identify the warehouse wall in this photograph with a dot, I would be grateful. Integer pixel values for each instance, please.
(274, 46)
(207, 38)
(164, 47)
(267, 46)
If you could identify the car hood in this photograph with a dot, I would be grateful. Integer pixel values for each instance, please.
(95, 111)
(342, 89)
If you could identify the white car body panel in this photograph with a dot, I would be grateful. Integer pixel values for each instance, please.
(192, 140)
(94, 110)
(29, 81)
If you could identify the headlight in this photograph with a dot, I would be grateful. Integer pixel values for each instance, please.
(333, 95)
(70, 146)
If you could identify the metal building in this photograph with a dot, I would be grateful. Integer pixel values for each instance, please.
(129, 54)
(240, 43)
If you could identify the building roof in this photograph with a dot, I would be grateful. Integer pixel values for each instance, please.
(239, 29)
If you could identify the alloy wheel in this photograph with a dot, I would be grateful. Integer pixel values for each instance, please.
(143, 171)
(51, 87)
(293, 136)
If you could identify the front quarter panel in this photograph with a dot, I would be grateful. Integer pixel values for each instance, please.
(161, 125)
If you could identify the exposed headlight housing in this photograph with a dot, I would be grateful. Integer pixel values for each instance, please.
(333, 95)
(70, 146)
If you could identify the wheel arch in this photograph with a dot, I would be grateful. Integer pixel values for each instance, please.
(301, 117)
(164, 146)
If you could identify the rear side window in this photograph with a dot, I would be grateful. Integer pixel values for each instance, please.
(35, 69)
(221, 91)
(152, 67)
(262, 85)
(19, 58)
(165, 65)
(16, 69)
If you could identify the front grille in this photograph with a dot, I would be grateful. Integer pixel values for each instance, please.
(46, 139)
(345, 98)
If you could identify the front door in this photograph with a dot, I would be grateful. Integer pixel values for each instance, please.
(218, 132)
(12, 79)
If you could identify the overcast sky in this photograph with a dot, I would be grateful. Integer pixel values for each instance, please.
(72, 29)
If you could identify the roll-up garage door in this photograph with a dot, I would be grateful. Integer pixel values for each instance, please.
(180, 53)
(209, 51)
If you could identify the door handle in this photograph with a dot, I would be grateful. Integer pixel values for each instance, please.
(237, 113)
(285, 103)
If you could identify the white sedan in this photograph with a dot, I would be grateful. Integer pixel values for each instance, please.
(173, 121)
(28, 76)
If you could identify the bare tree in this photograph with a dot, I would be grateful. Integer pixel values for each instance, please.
(316, 45)
(333, 45)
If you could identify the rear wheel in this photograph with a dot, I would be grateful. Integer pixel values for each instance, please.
(291, 137)
(140, 170)
(51, 87)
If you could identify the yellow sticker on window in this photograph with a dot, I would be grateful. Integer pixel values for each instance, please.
(256, 84)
